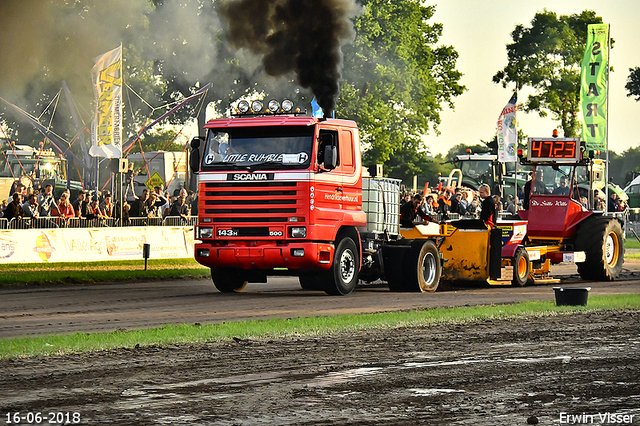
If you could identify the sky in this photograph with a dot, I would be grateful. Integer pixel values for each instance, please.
(480, 30)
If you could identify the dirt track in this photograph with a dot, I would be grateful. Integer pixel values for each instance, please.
(108, 307)
(488, 373)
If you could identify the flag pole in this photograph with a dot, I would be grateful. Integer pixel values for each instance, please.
(515, 161)
(606, 130)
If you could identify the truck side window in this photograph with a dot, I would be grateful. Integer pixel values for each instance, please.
(326, 138)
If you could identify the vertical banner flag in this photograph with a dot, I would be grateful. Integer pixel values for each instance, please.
(508, 131)
(106, 128)
(593, 87)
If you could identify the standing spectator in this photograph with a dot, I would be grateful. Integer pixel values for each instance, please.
(30, 207)
(107, 206)
(455, 203)
(139, 206)
(46, 201)
(162, 203)
(152, 205)
(193, 201)
(180, 208)
(613, 204)
(77, 204)
(64, 207)
(429, 205)
(512, 204)
(3, 207)
(93, 210)
(444, 204)
(463, 204)
(489, 214)
(14, 209)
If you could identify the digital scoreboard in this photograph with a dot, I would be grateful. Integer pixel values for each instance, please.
(554, 149)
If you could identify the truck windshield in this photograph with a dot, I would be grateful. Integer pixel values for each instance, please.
(271, 147)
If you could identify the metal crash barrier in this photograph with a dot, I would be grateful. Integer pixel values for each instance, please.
(75, 222)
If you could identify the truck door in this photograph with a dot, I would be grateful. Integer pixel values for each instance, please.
(327, 190)
(351, 183)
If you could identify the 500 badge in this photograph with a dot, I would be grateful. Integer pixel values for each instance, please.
(275, 233)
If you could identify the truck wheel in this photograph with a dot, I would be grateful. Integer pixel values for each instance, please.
(228, 280)
(423, 267)
(342, 278)
(521, 267)
(602, 240)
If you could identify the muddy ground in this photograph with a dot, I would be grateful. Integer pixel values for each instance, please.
(502, 372)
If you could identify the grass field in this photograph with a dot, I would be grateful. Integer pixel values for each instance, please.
(310, 326)
(94, 272)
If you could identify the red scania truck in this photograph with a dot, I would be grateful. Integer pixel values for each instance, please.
(280, 194)
(285, 194)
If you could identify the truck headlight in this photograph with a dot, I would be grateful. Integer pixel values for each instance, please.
(298, 232)
(205, 233)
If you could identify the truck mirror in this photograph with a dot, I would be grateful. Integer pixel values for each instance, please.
(330, 157)
(194, 158)
(195, 142)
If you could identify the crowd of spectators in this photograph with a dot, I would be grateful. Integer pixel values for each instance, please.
(28, 203)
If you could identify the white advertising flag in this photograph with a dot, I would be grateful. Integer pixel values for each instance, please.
(508, 131)
(106, 128)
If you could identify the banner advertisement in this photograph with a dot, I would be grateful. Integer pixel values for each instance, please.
(508, 131)
(94, 244)
(593, 87)
(106, 127)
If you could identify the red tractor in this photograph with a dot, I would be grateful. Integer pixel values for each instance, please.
(565, 214)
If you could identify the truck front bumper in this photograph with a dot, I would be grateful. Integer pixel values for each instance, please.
(304, 256)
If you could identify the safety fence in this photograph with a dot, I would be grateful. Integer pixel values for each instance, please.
(76, 222)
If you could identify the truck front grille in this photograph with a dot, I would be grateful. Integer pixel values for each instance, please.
(251, 202)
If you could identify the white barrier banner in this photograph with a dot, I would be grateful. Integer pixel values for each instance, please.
(94, 244)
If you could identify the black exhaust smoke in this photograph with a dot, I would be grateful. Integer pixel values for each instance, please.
(300, 36)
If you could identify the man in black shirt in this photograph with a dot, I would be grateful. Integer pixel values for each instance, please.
(14, 209)
(489, 213)
(409, 211)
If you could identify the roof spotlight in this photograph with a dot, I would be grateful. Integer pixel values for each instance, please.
(273, 106)
(256, 106)
(287, 105)
(243, 106)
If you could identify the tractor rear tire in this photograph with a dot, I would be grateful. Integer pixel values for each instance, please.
(228, 280)
(342, 278)
(521, 267)
(602, 240)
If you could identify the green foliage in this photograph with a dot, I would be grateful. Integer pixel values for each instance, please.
(396, 78)
(633, 83)
(408, 162)
(624, 167)
(546, 56)
(462, 149)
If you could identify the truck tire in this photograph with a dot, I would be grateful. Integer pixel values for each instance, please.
(342, 278)
(521, 267)
(420, 271)
(228, 280)
(602, 240)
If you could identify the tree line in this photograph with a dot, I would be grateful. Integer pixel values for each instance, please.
(396, 76)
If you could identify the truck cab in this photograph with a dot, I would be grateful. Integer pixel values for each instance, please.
(280, 194)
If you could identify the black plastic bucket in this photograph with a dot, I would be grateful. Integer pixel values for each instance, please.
(572, 296)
